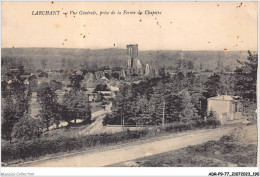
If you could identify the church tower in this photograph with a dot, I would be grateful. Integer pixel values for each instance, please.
(132, 53)
(133, 65)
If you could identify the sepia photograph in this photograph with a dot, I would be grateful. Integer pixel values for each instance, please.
(129, 84)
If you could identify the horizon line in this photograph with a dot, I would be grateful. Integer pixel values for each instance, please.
(123, 49)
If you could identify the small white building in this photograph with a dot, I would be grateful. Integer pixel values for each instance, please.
(225, 107)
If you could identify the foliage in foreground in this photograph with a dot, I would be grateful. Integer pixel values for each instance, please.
(227, 152)
(41, 147)
(27, 128)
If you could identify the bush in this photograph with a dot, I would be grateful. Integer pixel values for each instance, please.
(109, 120)
(226, 138)
(208, 146)
(201, 123)
(180, 126)
(106, 119)
(27, 128)
(212, 119)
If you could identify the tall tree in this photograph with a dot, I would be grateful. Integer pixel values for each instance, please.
(121, 108)
(15, 101)
(174, 107)
(48, 100)
(76, 100)
(158, 103)
(9, 118)
(227, 82)
(65, 114)
(246, 77)
(27, 128)
(141, 110)
(75, 81)
(188, 112)
(196, 89)
(78, 104)
(212, 86)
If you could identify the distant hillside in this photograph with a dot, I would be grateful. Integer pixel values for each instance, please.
(53, 57)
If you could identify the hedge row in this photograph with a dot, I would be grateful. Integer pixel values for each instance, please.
(41, 147)
(181, 126)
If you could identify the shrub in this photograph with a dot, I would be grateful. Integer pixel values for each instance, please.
(208, 146)
(226, 138)
(212, 119)
(200, 123)
(180, 126)
(27, 128)
(106, 119)
(110, 120)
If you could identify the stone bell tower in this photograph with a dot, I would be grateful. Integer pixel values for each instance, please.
(132, 53)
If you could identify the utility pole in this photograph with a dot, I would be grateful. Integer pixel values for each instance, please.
(124, 123)
(163, 118)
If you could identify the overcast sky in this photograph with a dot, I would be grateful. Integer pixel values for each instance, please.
(181, 25)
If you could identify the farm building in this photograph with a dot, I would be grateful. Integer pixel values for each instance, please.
(225, 107)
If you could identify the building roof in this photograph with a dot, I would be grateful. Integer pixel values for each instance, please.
(222, 97)
(114, 88)
(104, 78)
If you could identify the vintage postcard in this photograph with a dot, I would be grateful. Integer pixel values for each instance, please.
(129, 84)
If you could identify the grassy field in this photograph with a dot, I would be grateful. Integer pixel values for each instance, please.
(236, 150)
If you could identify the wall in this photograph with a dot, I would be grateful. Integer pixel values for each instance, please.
(220, 107)
(118, 128)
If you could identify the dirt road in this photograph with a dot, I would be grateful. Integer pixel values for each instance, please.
(97, 125)
(94, 127)
(132, 151)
